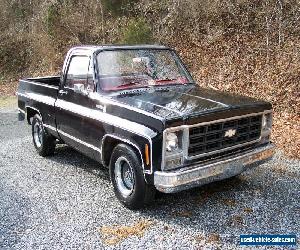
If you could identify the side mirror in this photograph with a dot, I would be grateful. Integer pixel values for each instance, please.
(79, 89)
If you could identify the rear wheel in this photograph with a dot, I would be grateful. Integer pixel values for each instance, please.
(43, 142)
(127, 177)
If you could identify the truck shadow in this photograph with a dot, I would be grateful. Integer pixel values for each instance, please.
(237, 205)
(67, 155)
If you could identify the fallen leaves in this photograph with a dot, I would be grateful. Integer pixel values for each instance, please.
(184, 213)
(229, 202)
(213, 238)
(248, 210)
(286, 133)
(112, 235)
(234, 65)
(8, 88)
(236, 221)
(200, 238)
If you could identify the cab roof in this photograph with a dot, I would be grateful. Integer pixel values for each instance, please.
(93, 48)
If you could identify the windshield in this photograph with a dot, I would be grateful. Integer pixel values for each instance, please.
(123, 69)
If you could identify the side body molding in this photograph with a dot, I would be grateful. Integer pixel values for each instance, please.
(122, 129)
(110, 119)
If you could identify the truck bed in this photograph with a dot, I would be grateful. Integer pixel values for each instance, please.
(39, 94)
(49, 80)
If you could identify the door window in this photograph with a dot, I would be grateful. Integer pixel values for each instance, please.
(90, 80)
(77, 71)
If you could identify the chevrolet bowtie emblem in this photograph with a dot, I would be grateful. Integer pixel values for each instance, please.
(230, 132)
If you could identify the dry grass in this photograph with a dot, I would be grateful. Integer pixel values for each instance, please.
(8, 102)
(112, 235)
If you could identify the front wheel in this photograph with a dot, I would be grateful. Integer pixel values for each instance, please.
(127, 177)
(43, 142)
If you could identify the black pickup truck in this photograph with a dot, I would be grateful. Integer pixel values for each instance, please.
(137, 110)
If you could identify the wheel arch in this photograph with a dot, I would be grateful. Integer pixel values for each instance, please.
(31, 112)
(110, 141)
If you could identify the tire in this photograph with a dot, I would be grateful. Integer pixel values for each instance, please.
(42, 141)
(127, 177)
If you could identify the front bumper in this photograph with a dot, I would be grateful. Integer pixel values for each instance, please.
(197, 175)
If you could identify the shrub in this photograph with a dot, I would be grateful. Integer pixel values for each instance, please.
(19, 10)
(118, 7)
(137, 31)
(14, 55)
(52, 18)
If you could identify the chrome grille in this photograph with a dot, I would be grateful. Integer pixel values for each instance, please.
(211, 137)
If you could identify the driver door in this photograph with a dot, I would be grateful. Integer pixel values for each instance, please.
(72, 115)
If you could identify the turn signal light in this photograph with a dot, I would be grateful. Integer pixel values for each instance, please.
(147, 154)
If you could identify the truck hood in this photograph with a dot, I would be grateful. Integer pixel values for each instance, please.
(187, 101)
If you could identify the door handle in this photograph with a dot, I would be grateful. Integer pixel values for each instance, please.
(63, 92)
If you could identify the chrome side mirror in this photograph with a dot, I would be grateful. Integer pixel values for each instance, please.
(79, 89)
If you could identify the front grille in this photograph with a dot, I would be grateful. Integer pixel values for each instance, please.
(221, 135)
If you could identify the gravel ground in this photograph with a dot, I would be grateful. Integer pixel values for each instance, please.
(63, 202)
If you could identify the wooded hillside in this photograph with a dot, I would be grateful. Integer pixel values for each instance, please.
(246, 46)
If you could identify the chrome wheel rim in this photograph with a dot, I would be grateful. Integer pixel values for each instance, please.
(124, 176)
(38, 134)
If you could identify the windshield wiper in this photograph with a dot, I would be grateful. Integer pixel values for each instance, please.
(127, 85)
(165, 80)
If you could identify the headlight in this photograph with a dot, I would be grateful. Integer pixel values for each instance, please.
(266, 121)
(266, 126)
(173, 151)
(171, 142)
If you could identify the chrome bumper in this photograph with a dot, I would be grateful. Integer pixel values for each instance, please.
(178, 180)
